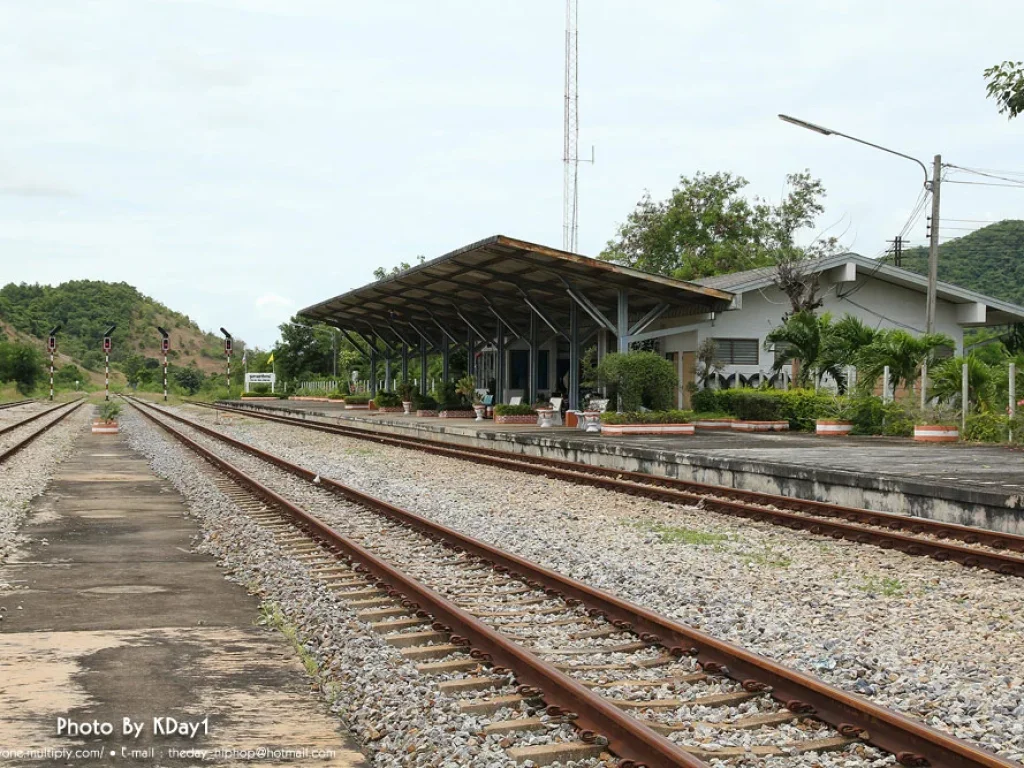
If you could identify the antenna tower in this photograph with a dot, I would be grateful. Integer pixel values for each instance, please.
(570, 155)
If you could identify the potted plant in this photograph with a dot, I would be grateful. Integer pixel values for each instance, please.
(406, 390)
(514, 414)
(466, 388)
(452, 404)
(106, 424)
(424, 405)
(936, 424)
(839, 413)
(388, 402)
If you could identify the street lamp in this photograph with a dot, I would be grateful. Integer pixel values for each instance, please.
(931, 185)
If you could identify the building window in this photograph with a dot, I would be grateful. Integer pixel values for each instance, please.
(738, 351)
(518, 367)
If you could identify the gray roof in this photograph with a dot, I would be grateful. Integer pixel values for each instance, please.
(1000, 312)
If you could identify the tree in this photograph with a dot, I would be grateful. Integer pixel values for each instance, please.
(1006, 86)
(803, 336)
(844, 341)
(380, 273)
(21, 364)
(134, 369)
(190, 379)
(707, 227)
(306, 350)
(708, 362)
(946, 382)
(902, 352)
(639, 379)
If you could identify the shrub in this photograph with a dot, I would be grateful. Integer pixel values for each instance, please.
(648, 417)
(514, 410)
(357, 399)
(987, 428)
(705, 401)
(387, 400)
(109, 411)
(448, 398)
(406, 391)
(870, 416)
(423, 402)
(639, 379)
(800, 407)
(336, 395)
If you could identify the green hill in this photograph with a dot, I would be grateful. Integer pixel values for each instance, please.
(989, 260)
(86, 308)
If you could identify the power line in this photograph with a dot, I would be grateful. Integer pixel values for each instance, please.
(984, 183)
(982, 173)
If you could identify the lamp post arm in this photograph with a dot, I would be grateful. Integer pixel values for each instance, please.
(927, 182)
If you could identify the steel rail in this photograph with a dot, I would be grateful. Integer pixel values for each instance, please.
(15, 403)
(17, 447)
(831, 520)
(33, 417)
(913, 743)
(628, 737)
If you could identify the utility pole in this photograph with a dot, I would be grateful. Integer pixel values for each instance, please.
(897, 250)
(933, 247)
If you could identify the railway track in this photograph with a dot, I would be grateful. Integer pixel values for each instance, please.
(15, 404)
(969, 546)
(10, 448)
(533, 649)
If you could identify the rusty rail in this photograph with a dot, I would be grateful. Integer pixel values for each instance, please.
(15, 403)
(20, 445)
(892, 531)
(914, 744)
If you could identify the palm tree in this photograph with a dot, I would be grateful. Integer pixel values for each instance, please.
(841, 345)
(902, 352)
(803, 335)
(947, 382)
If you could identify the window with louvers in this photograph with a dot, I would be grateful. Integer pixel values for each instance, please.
(738, 351)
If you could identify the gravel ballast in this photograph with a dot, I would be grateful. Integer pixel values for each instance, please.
(26, 474)
(935, 640)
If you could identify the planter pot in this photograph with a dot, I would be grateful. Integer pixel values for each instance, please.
(480, 410)
(526, 418)
(426, 413)
(260, 399)
(372, 405)
(647, 429)
(456, 414)
(391, 409)
(572, 419)
(714, 425)
(936, 433)
(407, 406)
(104, 427)
(832, 428)
(356, 407)
(760, 426)
(312, 399)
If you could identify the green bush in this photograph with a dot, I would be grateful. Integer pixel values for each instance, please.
(406, 391)
(870, 416)
(639, 379)
(449, 399)
(337, 395)
(423, 402)
(514, 410)
(705, 401)
(987, 428)
(387, 400)
(357, 399)
(109, 411)
(648, 417)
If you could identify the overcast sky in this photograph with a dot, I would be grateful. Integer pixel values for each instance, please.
(241, 159)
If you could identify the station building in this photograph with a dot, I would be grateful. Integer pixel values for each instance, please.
(525, 313)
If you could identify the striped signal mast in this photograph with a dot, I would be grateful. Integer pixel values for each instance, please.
(51, 344)
(228, 345)
(165, 345)
(107, 346)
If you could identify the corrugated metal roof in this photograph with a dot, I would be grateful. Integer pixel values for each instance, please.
(499, 273)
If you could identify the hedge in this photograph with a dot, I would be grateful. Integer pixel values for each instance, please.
(647, 417)
(357, 399)
(504, 409)
(387, 400)
(800, 407)
(639, 379)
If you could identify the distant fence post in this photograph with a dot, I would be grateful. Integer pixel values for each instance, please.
(1012, 410)
(924, 384)
(885, 384)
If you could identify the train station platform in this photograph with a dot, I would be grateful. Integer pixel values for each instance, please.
(110, 615)
(967, 484)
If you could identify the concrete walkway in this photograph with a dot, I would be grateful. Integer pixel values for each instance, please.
(113, 617)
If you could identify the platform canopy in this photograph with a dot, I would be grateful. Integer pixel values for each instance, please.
(503, 291)
(501, 277)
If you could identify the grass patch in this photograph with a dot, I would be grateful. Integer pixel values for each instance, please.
(671, 534)
(768, 558)
(889, 587)
(272, 616)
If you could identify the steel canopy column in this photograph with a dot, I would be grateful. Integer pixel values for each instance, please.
(423, 367)
(445, 359)
(531, 368)
(405, 363)
(470, 349)
(574, 357)
(499, 378)
(623, 321)
(387, 371)
(373, 368)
